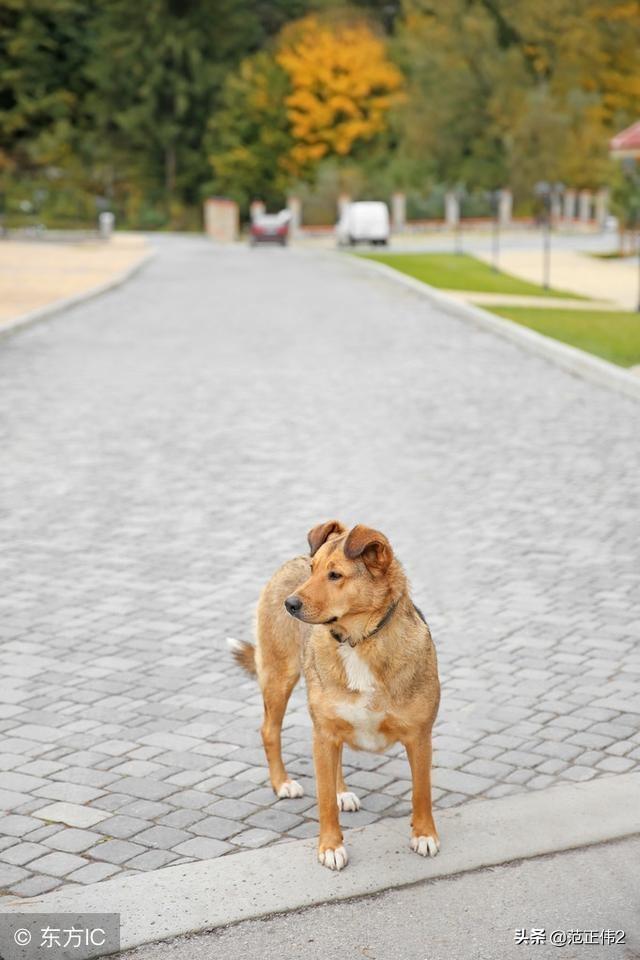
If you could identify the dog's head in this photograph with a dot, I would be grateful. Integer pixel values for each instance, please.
(349, 574)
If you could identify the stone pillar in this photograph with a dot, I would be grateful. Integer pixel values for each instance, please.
(569, 206)
(106, 222)
(505, 207)
(398, 211)
(344, 199)
(256, 209)
(584, 200)
(294, 206)
(221, 219)
(602, 207)
(451, 209)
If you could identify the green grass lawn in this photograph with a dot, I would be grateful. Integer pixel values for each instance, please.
(613, 335)
(459, 271)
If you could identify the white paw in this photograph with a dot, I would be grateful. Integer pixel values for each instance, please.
(290, 790)
(425, 846)
(334, 859)
(348, 801)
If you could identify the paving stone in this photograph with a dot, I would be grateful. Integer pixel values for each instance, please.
(72, 814)
(181, 818)
(216, 827)
(145, 789)
(22, 782)
(112, 801)
(21, 853)
(117, 748)
(263, 796)
(377, 802)
(116, 851)
(93, 873)
(232, 788)
(273, 819)
(57, 864)
(15, 825)
(302, 832)
(144, 809)
(9, 874)
(191, 799)
(36, 836)
(459, 782)
(369, 779)
(122, 827)
(229, 768)
(202, 848)
(616, 764)
(151, 860)
(237, 809)
(489, 768)
(578, 774)
(552, 767)
(33, 886)
(69, 792)
(73, 841)
(162, 837)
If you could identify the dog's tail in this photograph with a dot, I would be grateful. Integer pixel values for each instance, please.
(244, 654)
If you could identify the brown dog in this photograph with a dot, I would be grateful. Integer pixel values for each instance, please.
(370, 668)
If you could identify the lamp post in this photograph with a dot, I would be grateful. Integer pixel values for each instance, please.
(547, 193)
(460, 195)
(493, 197)
(632, 205)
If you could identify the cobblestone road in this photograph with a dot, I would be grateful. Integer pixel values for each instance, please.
(163, 448)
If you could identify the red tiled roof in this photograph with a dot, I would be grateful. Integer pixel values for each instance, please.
(627, 141)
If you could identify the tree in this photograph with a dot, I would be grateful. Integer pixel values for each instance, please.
(506, 92)
(43, 48)
(249, 136)
(342, 87)
(117, 96)
(323, 93)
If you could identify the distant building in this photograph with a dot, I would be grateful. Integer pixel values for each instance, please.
(626, 143)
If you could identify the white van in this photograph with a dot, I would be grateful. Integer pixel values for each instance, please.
(366, 221)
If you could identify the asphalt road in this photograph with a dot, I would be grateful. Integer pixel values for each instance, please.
(484, 915)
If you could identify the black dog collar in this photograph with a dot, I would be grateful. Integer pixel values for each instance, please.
(339, 638)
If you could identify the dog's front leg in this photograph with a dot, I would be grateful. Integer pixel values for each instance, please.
(331, 852)
(424, 836)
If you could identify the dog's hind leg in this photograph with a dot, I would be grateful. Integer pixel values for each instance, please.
(347, 800)
(276, 690)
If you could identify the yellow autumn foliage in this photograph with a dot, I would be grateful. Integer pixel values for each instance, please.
(342, 86)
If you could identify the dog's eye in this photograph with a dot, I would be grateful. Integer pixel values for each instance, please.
(334, 575)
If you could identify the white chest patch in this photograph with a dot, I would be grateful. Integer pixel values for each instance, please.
(359, 676)
(365, 722)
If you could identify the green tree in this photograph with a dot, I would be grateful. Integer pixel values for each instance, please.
(249, 136)
(506, 92)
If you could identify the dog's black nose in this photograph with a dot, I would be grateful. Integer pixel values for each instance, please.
(293, 604)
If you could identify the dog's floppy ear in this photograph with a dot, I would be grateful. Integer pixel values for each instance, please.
(320, 534)
(371, 545)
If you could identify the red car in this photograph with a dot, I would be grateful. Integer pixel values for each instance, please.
(270, 228)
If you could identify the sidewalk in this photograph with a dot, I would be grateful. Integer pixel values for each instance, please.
(615, 281)
(482, 298)
(35, 274)
(476, 916)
